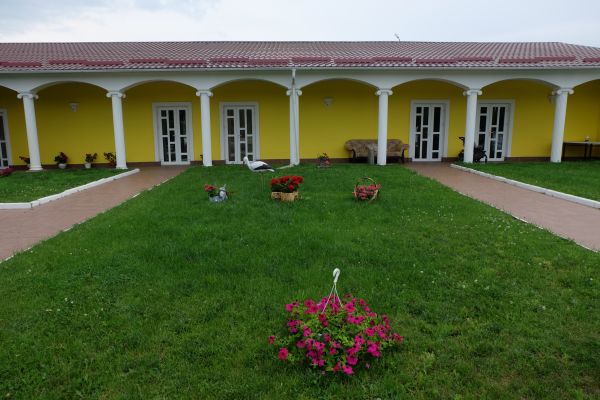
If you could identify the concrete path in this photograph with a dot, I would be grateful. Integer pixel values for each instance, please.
(21, 229)
(564, 218)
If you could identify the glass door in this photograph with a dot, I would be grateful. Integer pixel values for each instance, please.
(492, 130)
(173, 134)
(3, 141)
(428, 131)
(240, 133)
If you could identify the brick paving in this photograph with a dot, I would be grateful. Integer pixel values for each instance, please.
(566, 219)
(21, 229)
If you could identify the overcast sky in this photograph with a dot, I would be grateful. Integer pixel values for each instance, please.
(572, 21)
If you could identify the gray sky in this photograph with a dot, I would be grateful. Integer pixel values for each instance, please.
(572, 21)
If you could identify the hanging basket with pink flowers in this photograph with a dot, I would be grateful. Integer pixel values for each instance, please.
(366, 189)
(334, 335)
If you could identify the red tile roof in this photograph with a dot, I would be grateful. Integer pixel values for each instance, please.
(264, 55)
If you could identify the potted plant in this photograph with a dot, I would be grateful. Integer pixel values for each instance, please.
(323, 161)
(6, 172)
(216, 194)
(285, 188)
(110, 157)
(366, 189)
(61, 159)
(89, 159)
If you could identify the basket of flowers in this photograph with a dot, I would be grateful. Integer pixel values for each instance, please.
(334, 335)
(286, 187)
(366, 189)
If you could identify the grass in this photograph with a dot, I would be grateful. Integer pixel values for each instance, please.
(580, 178)
(170, 296)
(23, 186)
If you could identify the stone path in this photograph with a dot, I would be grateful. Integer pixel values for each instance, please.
(21, 229)
(564, 218)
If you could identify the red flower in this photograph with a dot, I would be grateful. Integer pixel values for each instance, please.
(271, 339)
(274, 181)
(291, 187)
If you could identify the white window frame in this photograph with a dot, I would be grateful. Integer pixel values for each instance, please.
(223, 127)
(509, 122)
(4, 113)
(189, 127)
(446, 125)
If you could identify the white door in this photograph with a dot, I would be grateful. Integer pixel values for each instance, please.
(492, 129)
(174, 135)
(239, 133)
(428, 131)
(4, 144)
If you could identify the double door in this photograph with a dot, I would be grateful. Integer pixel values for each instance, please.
(4, 145)
(174, 134)
(492, 129)
(428, 131)
(239, 133)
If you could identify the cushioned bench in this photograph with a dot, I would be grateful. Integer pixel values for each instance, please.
(359, 148)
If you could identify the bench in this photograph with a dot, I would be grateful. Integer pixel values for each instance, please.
(359, 148)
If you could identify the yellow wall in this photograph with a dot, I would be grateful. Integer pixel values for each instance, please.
(583, 112)
(273, 115)
(138, 117)
(353, 114)
(16, 124)
(533, 115)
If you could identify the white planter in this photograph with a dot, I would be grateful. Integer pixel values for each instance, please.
(87, 165)
(62, 165)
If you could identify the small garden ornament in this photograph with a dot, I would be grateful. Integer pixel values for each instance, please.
(332, 336)
(216, 195)
(366, 189)
(323, 161)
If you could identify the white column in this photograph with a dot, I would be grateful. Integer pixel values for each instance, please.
(31, 128)
(558, 130)
(471, 123)
(206, 135)
(294, 125)
(382, 125)
(117, 111)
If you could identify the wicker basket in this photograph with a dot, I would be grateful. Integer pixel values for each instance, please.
(366, 182)
(288, 197)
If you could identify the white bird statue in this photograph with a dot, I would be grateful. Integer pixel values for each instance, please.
(258, 166)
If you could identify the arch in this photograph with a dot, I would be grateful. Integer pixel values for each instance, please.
(228, 81)
(341, 78)
(157, 80)
(432, 79)
(540, 81)
(587, 81)
(46, 85)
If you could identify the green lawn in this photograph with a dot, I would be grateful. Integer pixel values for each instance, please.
(23, 186)
(170, 296)
(581, 178)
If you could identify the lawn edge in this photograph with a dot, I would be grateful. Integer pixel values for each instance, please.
(76, 189)
(548, 192)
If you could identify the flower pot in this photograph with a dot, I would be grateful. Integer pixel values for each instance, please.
(62, 165)
(288, 197)
(87, 165)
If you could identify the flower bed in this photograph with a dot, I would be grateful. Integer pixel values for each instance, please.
(334, 337)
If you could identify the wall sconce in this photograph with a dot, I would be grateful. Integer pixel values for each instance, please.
(328, 101)
(73, 106)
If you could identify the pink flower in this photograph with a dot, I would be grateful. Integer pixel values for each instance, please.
(300, 344)
(370, 331)
(398, 338)
(352, 360)
(313, 309)
(349, 307)
(283, 353)
(323, 319)
(347, 370)
(373, 348)
(289, 307)
(306, 331)
(337, 367)
(309, 303)
(271, 339)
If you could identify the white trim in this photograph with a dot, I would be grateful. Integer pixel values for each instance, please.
(446, 125)
(47, 199)
(549, 192)
(223, 128)
(189, 126)
(4, 114)
(509, 122)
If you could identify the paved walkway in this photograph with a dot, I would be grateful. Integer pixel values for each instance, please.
(21, 229)
(564, 218)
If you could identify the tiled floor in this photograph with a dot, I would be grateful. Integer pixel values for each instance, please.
(21, 229)
(566, 219)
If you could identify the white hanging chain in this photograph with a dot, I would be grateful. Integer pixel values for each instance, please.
(336, 275)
